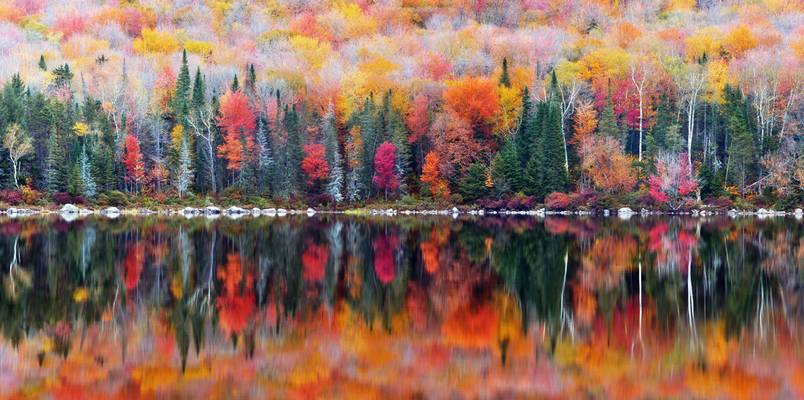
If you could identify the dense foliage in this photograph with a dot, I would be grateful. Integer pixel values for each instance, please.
(480, 100)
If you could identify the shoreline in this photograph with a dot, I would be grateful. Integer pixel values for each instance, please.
(238, 212)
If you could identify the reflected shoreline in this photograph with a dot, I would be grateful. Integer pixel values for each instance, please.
(341, 306)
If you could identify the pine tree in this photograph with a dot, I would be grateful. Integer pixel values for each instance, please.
(505, 80)
(265, 159)
(472, 185)
(75, 183)
(524, 132)
(55, 173)
(333, 156)
(741, 156)
(368, 130)
(399, 137)
(294, 151)
(180, 103)
(184, 176)
(251, 82)
(534, 169)
(88, 182)
(42, 64)
(608, 120)
(554, 173)
(197, 100)
(235, 84)
(507, 171)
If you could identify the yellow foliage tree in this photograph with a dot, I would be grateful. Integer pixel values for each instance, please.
(153, 41)
(704, 41)
(739, 40)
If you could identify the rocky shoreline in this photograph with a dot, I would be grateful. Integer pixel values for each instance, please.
(71, 212)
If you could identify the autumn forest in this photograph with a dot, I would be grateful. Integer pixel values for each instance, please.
(506, 104)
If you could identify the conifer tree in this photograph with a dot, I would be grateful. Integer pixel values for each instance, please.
(524, 133)
(295, 151)
(554, 175)
(235, 84)
(741, 147)
(608, 120)
(90, 189)
(181, 99)
(506, 170)
(265, 159)
(332, 156)
(472, 185)
(42, 64)
(56, 175)
(505, 80)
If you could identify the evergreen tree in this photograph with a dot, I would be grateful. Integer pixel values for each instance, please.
(251, 82)
(505, 80)
(180, 103)
(265, 160)
(75, 183)
(235, 84)
(472, 185)
(90, 189)
(741, 156)
(42, 64)
(56, 173)
(294, 150)
(608, 120)
(524, 133)
(197, 100)
(554, 175)
(368, 130)
(399, 137)
(507, 171)
(333, 156)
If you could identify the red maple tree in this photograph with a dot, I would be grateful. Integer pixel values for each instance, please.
(132, 159)
(238, 121)
(384, 176)
(315, 164)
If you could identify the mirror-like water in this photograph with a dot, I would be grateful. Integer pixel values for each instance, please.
(333, 306)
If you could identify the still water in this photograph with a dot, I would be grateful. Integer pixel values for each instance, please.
(333, 306)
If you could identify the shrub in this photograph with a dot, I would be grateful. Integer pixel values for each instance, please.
(30, 195)
(520, 202)
(62, 198)
(558, 201)
(117, 198)
(10, 196)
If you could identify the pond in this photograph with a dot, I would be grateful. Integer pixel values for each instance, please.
(364, 307)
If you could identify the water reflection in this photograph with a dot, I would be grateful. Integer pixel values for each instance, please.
(338, 307)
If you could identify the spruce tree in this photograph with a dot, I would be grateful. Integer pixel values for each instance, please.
(524, 133)
(180, 103)
(56, 173)
(235, 84)
(505, 80)
(741, 157)
(506, 170)
(368, 130)
(608, 120)
(333, 156)
(554, 173)
(42, 64)
(265, 159)
(294, 150)
(197, 100)
(472, 185)
(90, 189)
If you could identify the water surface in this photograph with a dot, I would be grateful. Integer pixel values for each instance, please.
(333, 306)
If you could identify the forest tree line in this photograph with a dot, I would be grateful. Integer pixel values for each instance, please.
(483, 139)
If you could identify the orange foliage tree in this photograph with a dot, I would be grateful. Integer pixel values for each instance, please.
(432, 177)
(473, 99)
(238, 121)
